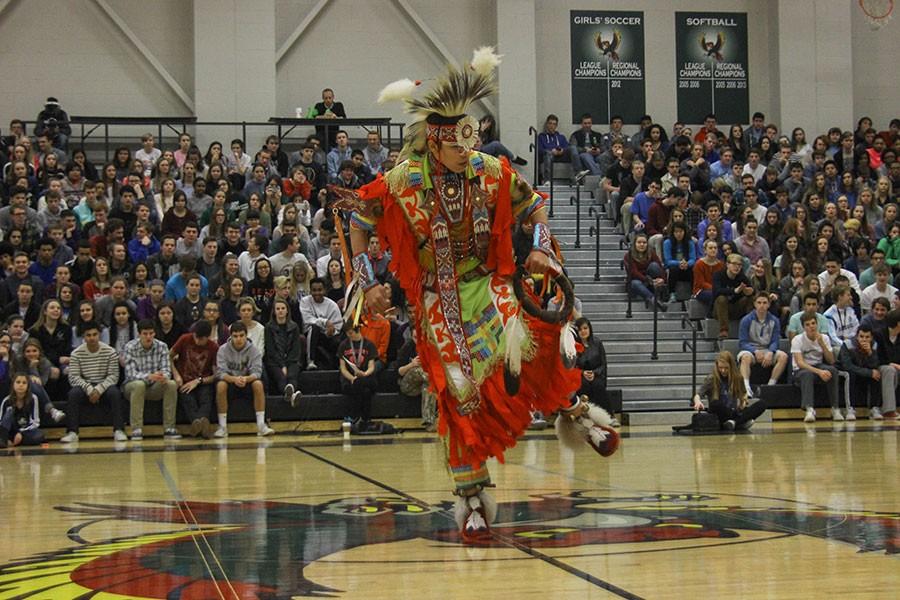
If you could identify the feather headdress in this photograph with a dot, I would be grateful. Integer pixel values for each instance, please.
(441, 113)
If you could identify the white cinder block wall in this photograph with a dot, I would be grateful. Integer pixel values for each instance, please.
(812, 62)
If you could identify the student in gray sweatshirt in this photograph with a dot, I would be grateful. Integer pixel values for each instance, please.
(239, 376)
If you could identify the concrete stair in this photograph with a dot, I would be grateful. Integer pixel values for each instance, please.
(654, 392)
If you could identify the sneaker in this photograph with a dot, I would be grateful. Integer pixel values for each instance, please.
(265, 430)
(136, 434)
(614, 422)
(57, 415)
(221, 432)
(851, 414)
(295, 398)
(69, 438)
(810, 415)
(119, 435)
(836, 414)
(171, 434)
(728, 425)
(311, 366)
(746, 425)
(288, 392)
(538, 422)
(518, 160)
(875, 414)
(890, 415)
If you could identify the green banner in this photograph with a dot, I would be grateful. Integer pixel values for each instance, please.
(711, 66)
(607, 65)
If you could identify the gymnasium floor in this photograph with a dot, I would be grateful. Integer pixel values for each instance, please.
(788, 511)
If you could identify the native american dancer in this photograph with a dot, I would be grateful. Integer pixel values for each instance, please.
(492, 355)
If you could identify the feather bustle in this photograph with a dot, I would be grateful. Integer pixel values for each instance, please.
(485, 60)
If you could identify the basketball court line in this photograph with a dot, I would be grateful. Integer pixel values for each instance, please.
(236, 444)
(788, 531)
(193, 524)
(613, 589)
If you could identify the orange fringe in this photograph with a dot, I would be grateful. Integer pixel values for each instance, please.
(545, 384)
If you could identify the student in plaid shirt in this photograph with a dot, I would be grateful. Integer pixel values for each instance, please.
(148, 375)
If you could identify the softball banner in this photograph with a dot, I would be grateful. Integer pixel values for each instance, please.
(607, 65)
(711, 64)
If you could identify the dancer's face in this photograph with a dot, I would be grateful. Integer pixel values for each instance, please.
(453, 157)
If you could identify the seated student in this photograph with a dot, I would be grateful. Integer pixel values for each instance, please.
(888, 346)
(413, 381)
(592, 363)
(357, 359)
(20, 417)
(148, 375)
(760, 332)
(704, 271)
(189, 309)
(810, 304)
(93, 374)
(118, 292)
(41, 373)
(646, 275)
(732, 293)
(322, 324)
(149, 304)
(239, 376)
(256, 333)
(875, 320)
(679, 257)
(727, 398)
(284, 352)
(859, 358)
(880, 289)
(843, 320)
(813, 363)
(193, 369)
(24, 304)
(212, 315)
(176, 286)
(827, 278)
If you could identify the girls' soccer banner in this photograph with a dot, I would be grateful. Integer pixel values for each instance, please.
(711, 64)
(607, 65)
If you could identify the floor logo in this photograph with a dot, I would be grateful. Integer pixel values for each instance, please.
(260, 549)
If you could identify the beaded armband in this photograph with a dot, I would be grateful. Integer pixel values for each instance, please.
(363, 267)
(541, 239)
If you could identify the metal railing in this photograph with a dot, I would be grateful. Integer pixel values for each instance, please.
(576, 200)
(535, 152)
(594, 232)
(694, 324)
(86, 128)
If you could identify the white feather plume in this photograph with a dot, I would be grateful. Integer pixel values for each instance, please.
(567, 343)
(485, 60)
(599, 416)
(460, 511)
(398, 90)
(571, 434)
(515, 337)
(490, 506)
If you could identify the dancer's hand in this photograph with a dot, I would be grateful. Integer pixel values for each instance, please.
(378, 298)
(540, 262)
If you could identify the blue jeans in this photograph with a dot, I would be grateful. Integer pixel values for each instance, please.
(495, 148)
(588, 161)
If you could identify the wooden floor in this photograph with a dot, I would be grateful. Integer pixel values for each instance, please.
(789, 511)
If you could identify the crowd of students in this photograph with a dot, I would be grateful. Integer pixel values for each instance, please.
(734, 221)
(152, 248)
(179, 276)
